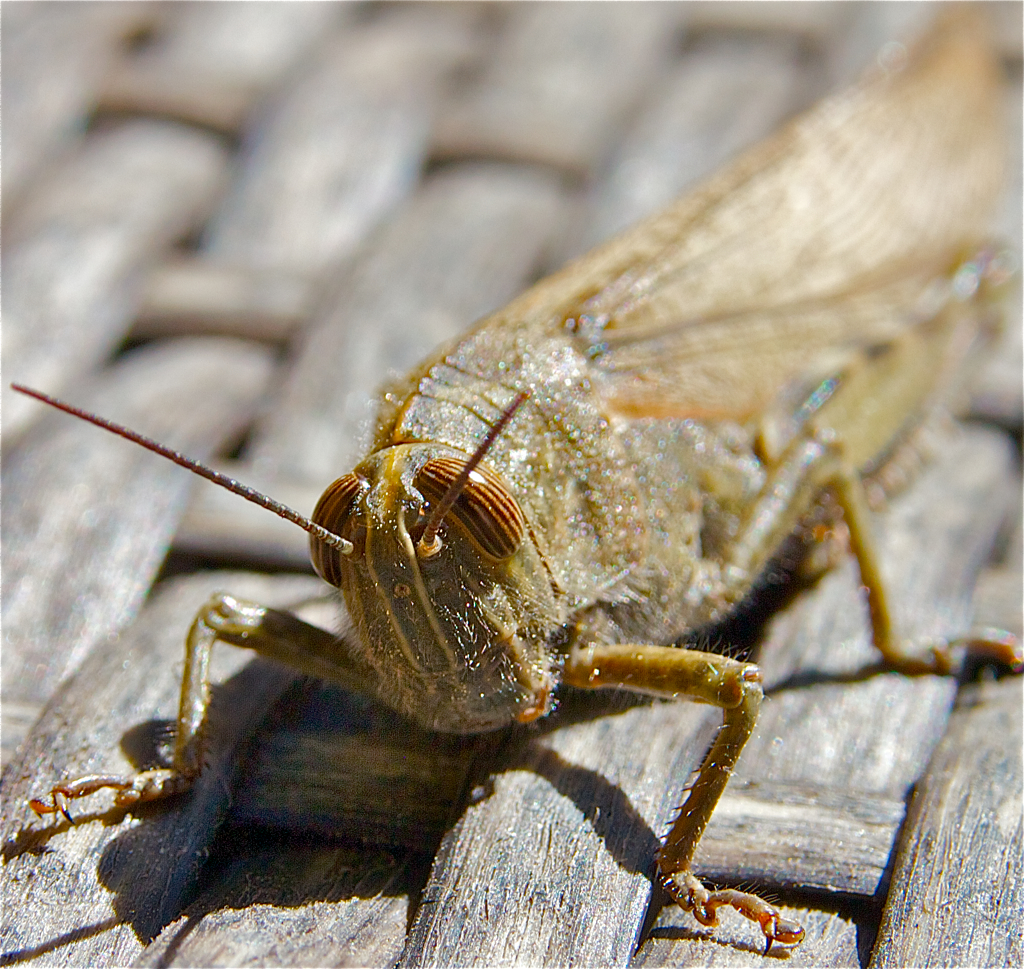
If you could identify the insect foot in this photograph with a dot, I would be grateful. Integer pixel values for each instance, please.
(222, 617)
(986, 645)
(150, 785)
(688, 892)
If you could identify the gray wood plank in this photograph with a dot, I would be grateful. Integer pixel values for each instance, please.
(558, 81)
(195, 296)
(334, 765)
(334, 152)
(830, 940)
(814, 839)
(302, 906)
(88, 518)
(55, 57)
(816, 22)
(957, 896)
(218, 526)
(325, 777)
(208, 64)
(329, 156)
(552, 867)
(75, 253)
(95, 892)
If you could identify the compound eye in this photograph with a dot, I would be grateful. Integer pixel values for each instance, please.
(334, 511)
(484, 508)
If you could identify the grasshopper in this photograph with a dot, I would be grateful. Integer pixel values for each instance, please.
(613, 460)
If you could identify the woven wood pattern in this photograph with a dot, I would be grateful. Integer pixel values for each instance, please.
(225, 225)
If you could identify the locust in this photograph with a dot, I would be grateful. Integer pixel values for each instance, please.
(612, 462)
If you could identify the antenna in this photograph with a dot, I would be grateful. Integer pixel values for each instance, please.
(429, 544)
(249, 494)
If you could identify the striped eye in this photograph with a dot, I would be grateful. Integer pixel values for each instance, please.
(484, 508)
(333, 512)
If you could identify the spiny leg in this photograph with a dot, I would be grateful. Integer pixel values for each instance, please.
(985, 644)
(709, 678)
(851, 422)
(270, 632)
(815, 461)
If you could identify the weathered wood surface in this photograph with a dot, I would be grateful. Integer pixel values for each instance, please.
(367, 251)
(958, 879)
(209, 64)
(55, 58)
(76, 566)
(96, 891)
(77, 245)
(557, 83)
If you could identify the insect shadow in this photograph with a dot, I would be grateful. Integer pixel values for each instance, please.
(319, 775)
(317, 810)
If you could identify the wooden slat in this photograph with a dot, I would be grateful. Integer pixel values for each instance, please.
(55, 57)
(95, 892)
(815, 23)
(196, 296)
(957, 896)
(818, 839)
(77, 247)
(339, 148)
(87, 518)
(466, 243)
(297, 906)
(328, 158)
(337, 765)
(559, 79)
(208, 63)
(220, 526)
(725, 94)
(831, 939)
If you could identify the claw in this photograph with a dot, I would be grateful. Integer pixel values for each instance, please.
(693, 897)
(147, 786)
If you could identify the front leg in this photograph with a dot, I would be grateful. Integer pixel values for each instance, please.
(270, 632)
(672, 672)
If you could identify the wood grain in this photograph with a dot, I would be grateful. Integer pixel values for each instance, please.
(214, 61)
(557, 82)
(98, 890)
(466, 242)
(956, 895)
(55, 58)
(528, 847)
(76, 248)
(77, 562)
